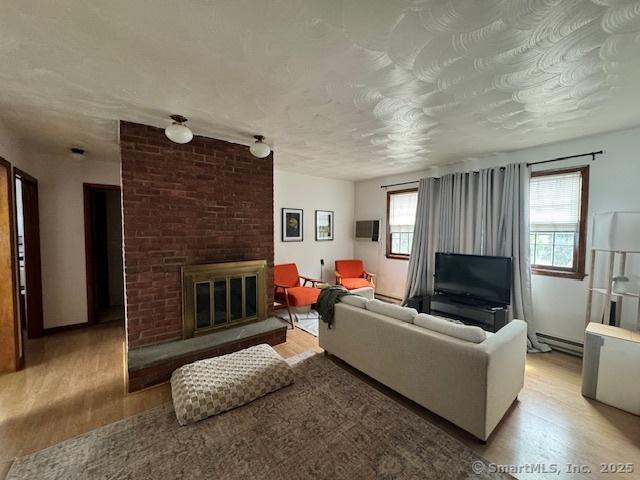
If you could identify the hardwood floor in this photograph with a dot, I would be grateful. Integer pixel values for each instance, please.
(73, 382)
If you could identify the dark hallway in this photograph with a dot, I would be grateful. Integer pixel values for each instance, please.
(105, 287)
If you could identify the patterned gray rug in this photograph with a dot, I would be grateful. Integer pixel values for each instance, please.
(328, 424)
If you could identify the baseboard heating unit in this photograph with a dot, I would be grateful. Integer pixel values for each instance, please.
(562, 345)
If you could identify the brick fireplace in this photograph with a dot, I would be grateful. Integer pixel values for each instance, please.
(204, 202)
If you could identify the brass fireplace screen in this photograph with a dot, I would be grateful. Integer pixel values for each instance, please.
(222, 295)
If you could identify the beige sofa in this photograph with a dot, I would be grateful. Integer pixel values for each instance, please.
(470, 384)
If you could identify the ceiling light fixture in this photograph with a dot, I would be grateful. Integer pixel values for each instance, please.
(178, 132)
(77, 153)
(259, 149)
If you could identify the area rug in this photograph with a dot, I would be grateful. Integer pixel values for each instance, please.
(308, 322)
(305, 320)
(329, 424)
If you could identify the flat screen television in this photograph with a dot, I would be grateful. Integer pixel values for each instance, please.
(477, 277)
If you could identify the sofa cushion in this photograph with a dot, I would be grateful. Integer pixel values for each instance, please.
(391, 310)
(354, 300)
(353, 283)
(298, 296)
(467, 333)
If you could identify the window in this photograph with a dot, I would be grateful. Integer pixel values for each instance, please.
(401, 216)
(558, 217)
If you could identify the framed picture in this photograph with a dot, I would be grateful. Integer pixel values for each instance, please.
(292, 227)
(324, 225)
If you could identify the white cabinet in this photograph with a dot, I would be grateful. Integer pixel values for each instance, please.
(611, 366)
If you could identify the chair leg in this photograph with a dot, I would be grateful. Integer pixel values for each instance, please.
(290, 317)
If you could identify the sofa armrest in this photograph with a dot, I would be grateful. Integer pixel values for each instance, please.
(506, 352)
(516, 330)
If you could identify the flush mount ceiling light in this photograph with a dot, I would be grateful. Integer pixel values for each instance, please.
(178, 132)
(259, 149)
(77, 153)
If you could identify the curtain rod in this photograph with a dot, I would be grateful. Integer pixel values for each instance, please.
(589, 154)
(398, 184)
(474, 172)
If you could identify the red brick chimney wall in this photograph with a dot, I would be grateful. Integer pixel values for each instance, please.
(207, 201)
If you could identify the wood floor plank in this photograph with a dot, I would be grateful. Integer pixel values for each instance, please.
(73, 383)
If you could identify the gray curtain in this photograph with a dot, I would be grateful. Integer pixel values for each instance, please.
(482, 213)
(459, 224)
(423, 248)
(488, 209)
(513, 241)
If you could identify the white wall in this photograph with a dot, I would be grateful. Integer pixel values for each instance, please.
(559, 304)
(61, 207)
(11, 149)
(61, 201)
(292, 190)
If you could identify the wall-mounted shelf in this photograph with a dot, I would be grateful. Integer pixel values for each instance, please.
(603, 291)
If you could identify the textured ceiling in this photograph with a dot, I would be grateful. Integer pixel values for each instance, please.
(350, 89)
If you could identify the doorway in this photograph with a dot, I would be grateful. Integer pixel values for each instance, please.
(103, 247)
(29, 260)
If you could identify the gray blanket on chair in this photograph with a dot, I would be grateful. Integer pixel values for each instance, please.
(327, 301)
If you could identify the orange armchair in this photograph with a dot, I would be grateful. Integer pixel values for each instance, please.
(352, 275)
(291, 289)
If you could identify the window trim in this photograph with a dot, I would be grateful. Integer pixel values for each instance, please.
(578, 272)
(389, 253)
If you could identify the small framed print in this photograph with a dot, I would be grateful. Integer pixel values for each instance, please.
(324, 225)
(292, 227)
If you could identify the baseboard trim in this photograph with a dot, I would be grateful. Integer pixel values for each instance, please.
(388, 297)
(563, 345)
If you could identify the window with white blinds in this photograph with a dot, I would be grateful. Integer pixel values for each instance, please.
(401, 219)
(555, 202)
(556, 206)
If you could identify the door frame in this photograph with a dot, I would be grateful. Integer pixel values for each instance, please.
(18, 354)
(33, 256)
(87, 189)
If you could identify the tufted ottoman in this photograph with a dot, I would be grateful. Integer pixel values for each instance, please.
(214, 385)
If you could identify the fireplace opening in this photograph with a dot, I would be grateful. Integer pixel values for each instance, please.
(222, 295)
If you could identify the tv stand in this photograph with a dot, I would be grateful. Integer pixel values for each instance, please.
(488, 317)
(472, 302)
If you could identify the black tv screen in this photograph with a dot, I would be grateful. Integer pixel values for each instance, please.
(474, 276)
